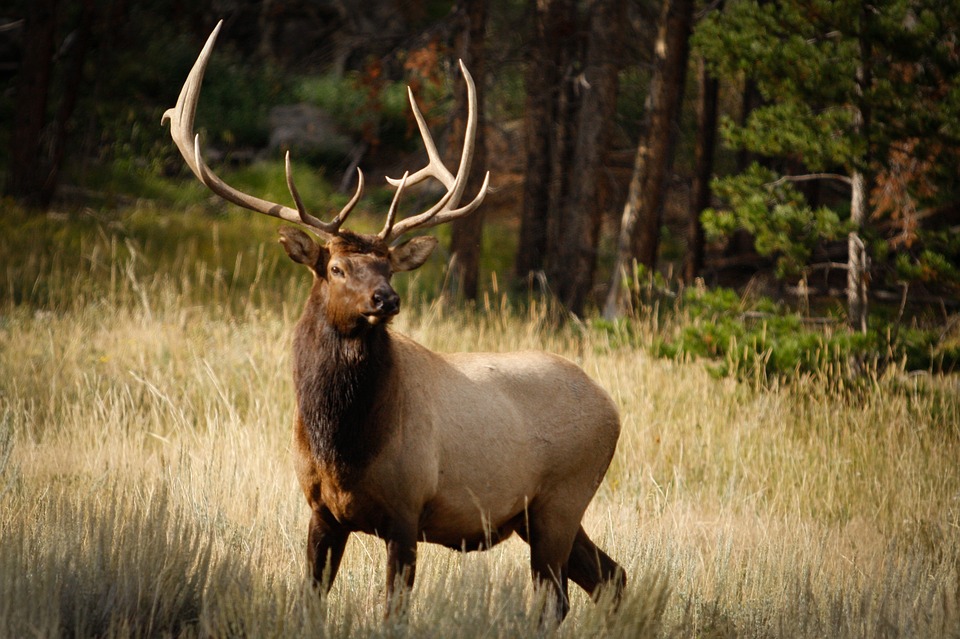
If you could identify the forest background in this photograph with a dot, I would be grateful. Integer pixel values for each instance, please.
(803, 152)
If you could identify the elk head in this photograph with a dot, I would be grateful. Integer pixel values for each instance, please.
(352, 270)
(352, 274)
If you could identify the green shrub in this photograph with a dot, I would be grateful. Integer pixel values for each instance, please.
(749, 338)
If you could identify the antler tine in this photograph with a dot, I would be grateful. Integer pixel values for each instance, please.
(435, 167)
(333, 225)
(345, 211)
(181, 119)
(444, 210)
(301, 210)
(392, 213)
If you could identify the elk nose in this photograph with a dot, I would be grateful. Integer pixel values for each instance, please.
(386, 301)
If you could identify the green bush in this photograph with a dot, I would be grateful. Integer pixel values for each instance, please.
(750, 338)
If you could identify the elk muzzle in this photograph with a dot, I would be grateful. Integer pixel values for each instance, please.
(385, 303)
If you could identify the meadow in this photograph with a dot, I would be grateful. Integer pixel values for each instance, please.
(146, 485)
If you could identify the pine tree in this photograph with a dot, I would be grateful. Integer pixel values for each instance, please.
(846, 89)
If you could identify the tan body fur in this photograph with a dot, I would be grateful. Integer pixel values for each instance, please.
(471, 442)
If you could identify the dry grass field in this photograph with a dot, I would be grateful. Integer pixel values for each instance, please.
(146, 487)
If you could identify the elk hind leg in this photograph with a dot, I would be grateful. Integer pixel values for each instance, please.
(326, 541)
(593, 570)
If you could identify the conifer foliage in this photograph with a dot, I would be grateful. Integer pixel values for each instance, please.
(856, 135)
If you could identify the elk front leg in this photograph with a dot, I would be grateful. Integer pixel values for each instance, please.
(550, 571)
(550, 531)
(401, 566)
(326, 541)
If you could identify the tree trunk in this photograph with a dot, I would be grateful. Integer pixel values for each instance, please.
(467, 233)
(554, 28)
(75, 60)
(640, 224)
(27, 173)
(580, 215)
(268, 29)
(858, 262)
(703, 159)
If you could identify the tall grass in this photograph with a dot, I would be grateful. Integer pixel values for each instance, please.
(146, 487)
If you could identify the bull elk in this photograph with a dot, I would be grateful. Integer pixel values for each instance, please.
(394, 440)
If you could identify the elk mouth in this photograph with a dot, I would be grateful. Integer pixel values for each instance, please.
(382, 314)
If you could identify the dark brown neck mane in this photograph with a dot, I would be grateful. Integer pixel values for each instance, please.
(338, 380)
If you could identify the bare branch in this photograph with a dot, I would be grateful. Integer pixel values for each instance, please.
(809, 177)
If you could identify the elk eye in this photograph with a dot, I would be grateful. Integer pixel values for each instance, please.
(336, 271)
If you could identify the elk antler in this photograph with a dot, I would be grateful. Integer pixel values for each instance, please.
(445, 210)
(181, 130)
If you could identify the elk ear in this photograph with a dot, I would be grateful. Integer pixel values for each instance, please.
(302, 248)
(412, 253)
